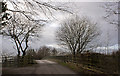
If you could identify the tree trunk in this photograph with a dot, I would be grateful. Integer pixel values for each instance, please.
(18, 58)
(73, 54)
(24, 53)
(18, 54)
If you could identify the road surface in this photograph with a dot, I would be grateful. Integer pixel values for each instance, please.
(43, 67)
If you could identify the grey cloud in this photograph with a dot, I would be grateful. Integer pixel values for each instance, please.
(90, 9)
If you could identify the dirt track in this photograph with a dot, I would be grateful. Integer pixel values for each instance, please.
(43, 67)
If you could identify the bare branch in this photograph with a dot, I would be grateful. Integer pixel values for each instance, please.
(77, 33)
(51, 6)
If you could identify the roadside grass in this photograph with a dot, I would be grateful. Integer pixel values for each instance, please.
(91, 63)
(78, 68)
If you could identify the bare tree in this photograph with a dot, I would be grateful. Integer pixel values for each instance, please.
(43, 52)
(20, 31)
(35, 8)
(112, 10)
(4, 16)
(77, 33)
(54, 52)
(25, 20)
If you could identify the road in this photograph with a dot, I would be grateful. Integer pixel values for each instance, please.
(43, 67)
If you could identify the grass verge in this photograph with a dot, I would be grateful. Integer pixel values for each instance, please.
(78, 68)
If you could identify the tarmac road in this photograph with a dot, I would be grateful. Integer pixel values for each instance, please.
(43, 67)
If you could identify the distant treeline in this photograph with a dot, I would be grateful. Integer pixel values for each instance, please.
(42, 52)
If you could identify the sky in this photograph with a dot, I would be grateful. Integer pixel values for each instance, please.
(92, 10)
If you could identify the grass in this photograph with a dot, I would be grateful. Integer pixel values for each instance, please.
(91, 63)
(80, 69)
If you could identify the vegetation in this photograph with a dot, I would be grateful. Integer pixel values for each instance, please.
(91, 63)
(14, 61)
(42, 52)
(112, 10)
(77, 33)
(29, 58)
(20, 30)
(4, 16)
(22, 26)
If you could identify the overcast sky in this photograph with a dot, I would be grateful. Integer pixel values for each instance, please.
(93, 10)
